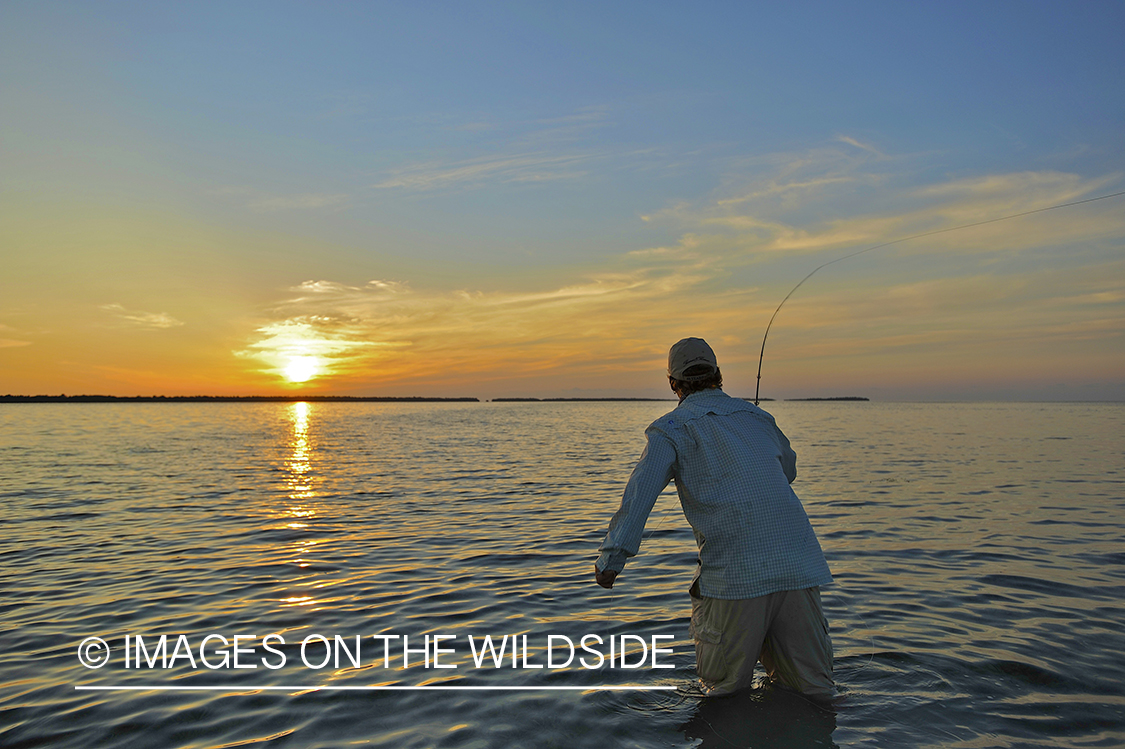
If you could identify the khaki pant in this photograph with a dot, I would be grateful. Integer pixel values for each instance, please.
(786, 631)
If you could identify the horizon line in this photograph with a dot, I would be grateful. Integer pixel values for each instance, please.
(96, 398)
(430, 687)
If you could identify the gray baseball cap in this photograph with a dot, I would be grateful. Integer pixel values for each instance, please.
(688, 353)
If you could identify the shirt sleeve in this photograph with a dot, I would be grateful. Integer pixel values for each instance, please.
(652, 473)
(788, 456)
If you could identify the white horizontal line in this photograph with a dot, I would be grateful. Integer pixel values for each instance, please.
(304, 687)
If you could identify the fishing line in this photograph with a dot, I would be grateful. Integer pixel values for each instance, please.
(762, 355)
(663, 517)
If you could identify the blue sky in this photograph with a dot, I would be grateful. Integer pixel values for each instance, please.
(484, 199)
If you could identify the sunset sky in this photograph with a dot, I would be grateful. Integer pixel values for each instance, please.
(537, 199)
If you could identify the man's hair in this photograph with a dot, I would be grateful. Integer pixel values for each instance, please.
(686, 388)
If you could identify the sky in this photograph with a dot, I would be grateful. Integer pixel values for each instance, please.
(537, 199)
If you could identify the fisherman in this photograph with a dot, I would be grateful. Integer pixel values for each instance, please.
(755, 595)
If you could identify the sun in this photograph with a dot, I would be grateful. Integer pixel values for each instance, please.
(302, 368)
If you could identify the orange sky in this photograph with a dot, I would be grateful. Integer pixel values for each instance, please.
(187, 215)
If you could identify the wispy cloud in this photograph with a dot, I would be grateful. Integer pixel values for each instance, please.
(1031, 312)
(543, 149)
(317, 338)
(11, 342)
(815, 202)
(153, 320)
(780, 183)
(857, 144)
(560, 129)
(965, 202)
(528, 167)
(777, 188)
(386, 330)
(737, 254)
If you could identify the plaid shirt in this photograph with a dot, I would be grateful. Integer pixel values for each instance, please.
(732, 468)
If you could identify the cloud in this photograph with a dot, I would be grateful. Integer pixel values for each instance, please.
(782, 183)
(385, 330)
(322, 287)
(11, 342)
(774, 188)
(549, 149)
(737, 254)
(319, 338)
(527, 167)
(857, 144)
(821, 201)
(155, 320)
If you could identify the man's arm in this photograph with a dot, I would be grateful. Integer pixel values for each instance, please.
(788, 457)
(651, 474)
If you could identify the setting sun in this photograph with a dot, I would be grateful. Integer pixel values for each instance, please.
(302, 368)
(329, 222)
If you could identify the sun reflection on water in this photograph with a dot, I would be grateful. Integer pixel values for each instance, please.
(299, 464)
(301, 510)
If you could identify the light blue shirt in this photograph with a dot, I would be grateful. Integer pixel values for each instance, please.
(732, 467)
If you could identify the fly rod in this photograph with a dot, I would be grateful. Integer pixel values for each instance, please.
(762, 355)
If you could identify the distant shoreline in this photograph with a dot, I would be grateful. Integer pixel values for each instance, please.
(842, 398)
(583, 400)
(227, 399)
(62, 398)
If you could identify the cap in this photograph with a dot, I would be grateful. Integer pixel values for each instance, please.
(688, 353)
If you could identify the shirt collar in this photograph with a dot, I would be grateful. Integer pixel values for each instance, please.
(708, 393)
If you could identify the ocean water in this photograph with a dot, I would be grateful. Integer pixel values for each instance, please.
(978, 551)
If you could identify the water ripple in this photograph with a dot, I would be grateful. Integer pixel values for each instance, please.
(978, 564)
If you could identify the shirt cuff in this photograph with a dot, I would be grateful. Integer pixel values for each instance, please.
(611, 560)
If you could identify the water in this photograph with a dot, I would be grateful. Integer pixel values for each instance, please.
(978, 552)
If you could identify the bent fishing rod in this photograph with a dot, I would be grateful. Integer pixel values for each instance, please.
(762, 355)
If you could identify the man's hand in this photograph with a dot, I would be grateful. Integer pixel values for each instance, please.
(605, 578)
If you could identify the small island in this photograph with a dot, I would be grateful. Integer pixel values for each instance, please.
(581, 400)
(842, 398)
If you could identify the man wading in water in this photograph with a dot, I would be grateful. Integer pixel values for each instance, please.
(756, 592)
